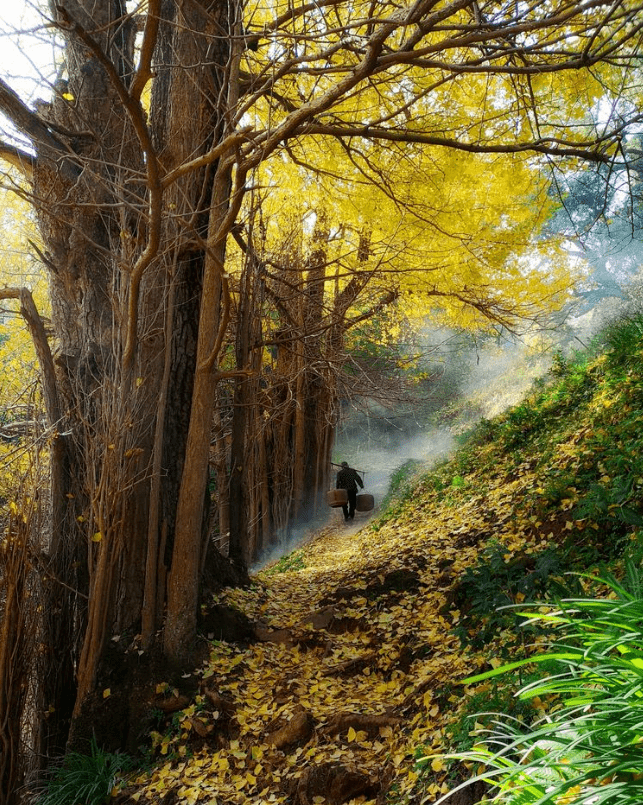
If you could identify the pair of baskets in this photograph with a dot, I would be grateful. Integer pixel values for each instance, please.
(339, 497)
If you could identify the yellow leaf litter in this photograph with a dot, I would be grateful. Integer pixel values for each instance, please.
(358, 668)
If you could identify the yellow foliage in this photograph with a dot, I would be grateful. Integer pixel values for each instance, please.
(453, 236)
(19, 399)
(454, 231)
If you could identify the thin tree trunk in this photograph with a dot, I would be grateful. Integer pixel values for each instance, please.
(222, 480)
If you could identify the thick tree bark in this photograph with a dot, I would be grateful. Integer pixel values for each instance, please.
(16, 657)
(128, 423)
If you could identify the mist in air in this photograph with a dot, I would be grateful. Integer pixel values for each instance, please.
(469, 382)
(482, 382)
(478, 382)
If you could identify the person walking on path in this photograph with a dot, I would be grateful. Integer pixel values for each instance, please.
(348, 479)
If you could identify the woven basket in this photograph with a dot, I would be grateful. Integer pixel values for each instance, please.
(336, 497)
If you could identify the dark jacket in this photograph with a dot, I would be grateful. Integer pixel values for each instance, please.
(348, 479)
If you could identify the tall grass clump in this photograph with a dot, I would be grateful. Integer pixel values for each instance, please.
(623, 339)
(402, 486)
(588, 750)
(85, 779)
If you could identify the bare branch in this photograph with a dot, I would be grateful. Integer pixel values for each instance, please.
(386, 300)
(226, 145)
(35, 129)
(150, 32)
(550, 145)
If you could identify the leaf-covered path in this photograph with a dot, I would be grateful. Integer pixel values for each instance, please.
(352, 673)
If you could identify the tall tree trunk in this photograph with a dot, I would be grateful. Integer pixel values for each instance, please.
(128, 260)
(180, 626)
(80, 241)
(221, 473)
(19, 652)
(240, 473)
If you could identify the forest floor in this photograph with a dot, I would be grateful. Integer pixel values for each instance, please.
(344, 684)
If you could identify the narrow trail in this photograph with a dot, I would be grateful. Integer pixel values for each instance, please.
(331, 534)
(350, 677)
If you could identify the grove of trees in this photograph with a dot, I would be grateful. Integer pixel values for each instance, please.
(222, 192)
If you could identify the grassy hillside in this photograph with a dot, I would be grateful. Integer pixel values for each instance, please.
(349, 655)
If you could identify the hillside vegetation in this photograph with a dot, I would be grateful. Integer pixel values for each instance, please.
(337, 675)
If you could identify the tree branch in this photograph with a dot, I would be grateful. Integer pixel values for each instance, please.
(150, 32)
(549, 145)
(36, 327)
(35, 129)
(386, 300)
(227, 144)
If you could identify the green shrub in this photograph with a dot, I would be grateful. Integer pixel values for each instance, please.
(623, 339)
(559, 364)
(487, 591)
(402, 487)
(292, 561)
(484, 432)
(403, 481)
(482, 707)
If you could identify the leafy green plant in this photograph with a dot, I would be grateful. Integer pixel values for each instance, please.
(85, 779)
(484, 432)
(623, 338)
(559, 364)
(557, 487)
(402, 487)
(402, 481)
(588, 749)
(175, 735)
(488, 590)
(481, 708)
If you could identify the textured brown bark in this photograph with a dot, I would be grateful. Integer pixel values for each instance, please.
(284, 416)
(15, 658)
(244, 498)
(220, 460)
(78, 240)
(113, 271)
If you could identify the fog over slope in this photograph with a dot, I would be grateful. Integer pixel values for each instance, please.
(487, 379)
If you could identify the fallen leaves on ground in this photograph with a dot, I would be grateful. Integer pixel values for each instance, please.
(361, 658)
(355, 669)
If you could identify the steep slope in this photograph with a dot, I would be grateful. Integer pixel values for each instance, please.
(351, 650)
